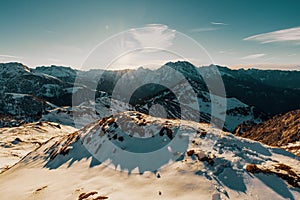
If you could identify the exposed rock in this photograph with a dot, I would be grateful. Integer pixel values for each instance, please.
(279, 169)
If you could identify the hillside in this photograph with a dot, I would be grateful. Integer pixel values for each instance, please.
(173, 160)
(17, 142)
(280, 131)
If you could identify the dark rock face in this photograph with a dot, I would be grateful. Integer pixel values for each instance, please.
(17, 109)
(271, 91)
(17, 78)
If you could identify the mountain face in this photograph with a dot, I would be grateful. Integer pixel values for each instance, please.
(249, 93)
(86, 112)
(176, 159)
(16, 109)
(271, 91)
(280, 131)
(65, 74)
(253, 87)
(17, 78)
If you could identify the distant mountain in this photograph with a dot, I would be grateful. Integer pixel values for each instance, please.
(251, 95)
(254, 87)
(66, 74)
(281, 131)
(271, 91)
(17, 108)
(17, 78)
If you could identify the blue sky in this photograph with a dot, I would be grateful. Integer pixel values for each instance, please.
(257, 33)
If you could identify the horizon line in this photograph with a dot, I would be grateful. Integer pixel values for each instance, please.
(257, 66)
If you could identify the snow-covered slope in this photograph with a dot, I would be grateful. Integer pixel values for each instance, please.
(16, 142)
(233, 113)
(190, 161)
(86, 112)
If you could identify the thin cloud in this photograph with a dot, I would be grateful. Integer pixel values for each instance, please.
(254, 56)
(205, 29)
(231, 52)
(219, 23)
(138, 46)
(284, 35)
(10, 56)
(50, 31)
(153, 35)
(271, 58)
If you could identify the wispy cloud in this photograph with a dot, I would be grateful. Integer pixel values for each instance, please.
(229, 51)
(270, 58)
(219, 23)
(254, 56)
(204, 29)
(213, 27)
(135, 47)
(153, 35)
(284, 35)
(10, 56)
(50, 31)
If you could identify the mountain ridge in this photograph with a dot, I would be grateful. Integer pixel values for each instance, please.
(58, 85)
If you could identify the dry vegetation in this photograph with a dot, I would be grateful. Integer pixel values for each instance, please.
(281, 170)
(279, 131)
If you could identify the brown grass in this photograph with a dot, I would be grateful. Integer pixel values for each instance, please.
(279, 131)
(283, 171)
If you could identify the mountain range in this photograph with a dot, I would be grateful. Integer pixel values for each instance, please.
(249, 93)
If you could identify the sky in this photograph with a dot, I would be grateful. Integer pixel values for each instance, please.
(257, 33)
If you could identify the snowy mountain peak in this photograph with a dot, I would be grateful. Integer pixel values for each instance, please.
(182, 66)
(56, 71)
(180, 63)
(13, 68)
